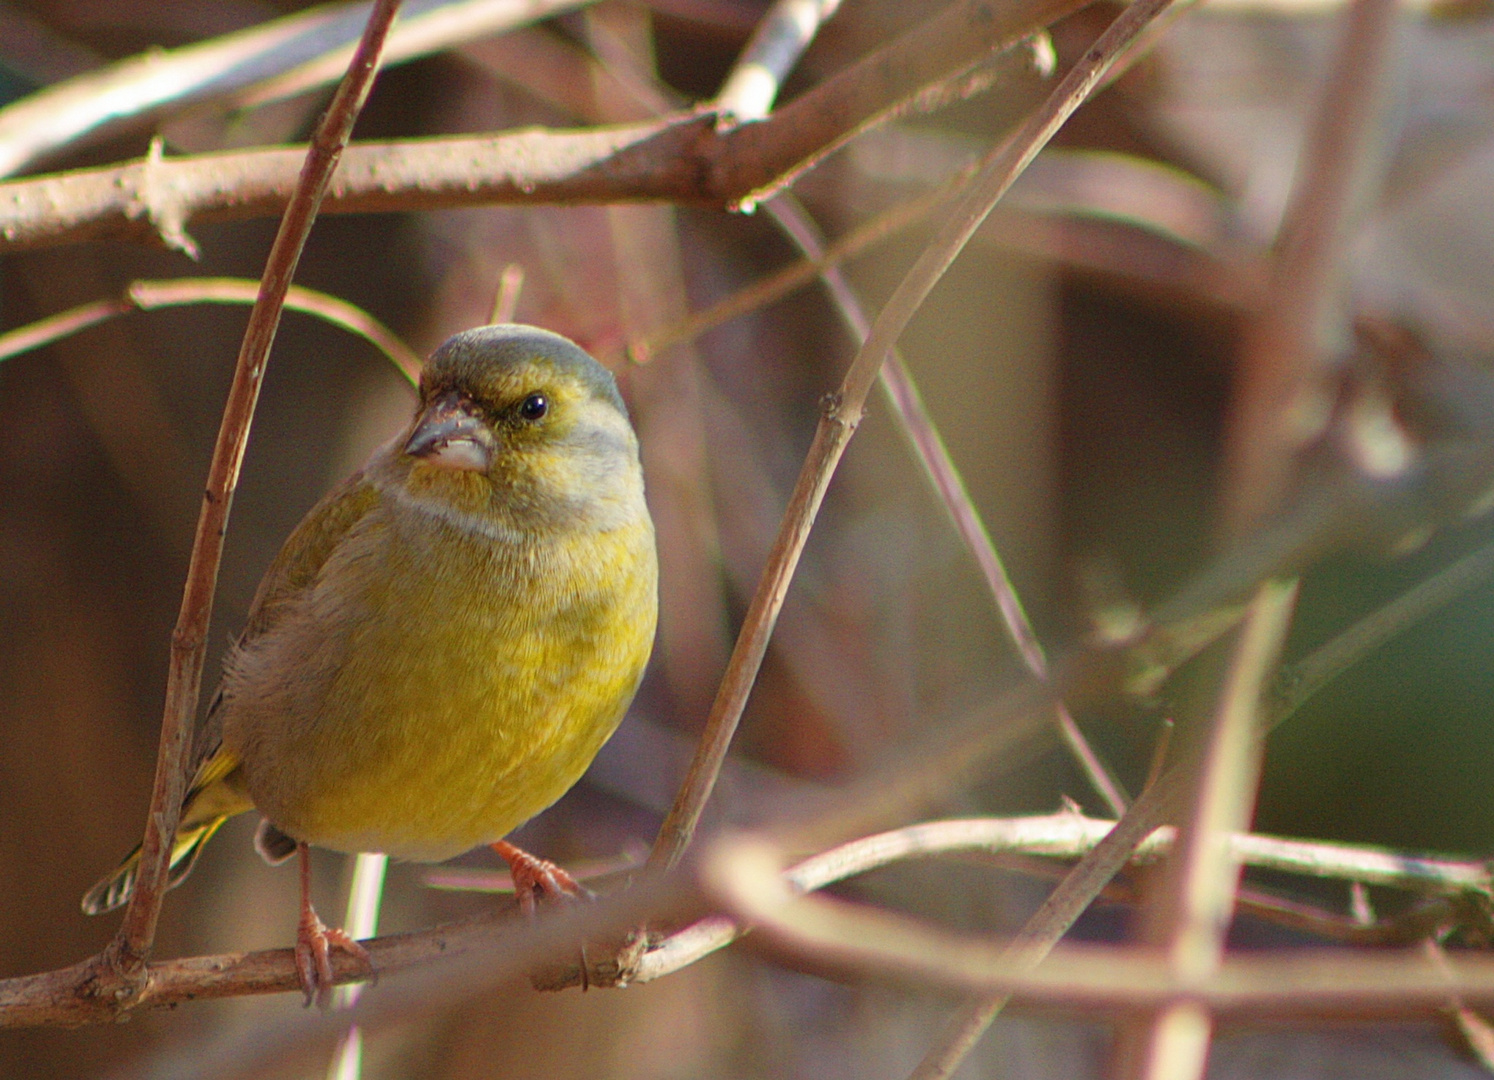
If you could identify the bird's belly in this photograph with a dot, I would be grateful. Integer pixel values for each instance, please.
(434, 733)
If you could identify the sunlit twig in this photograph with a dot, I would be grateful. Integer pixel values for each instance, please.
(126, 957)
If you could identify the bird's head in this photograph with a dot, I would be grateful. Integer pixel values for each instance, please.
(521, 427)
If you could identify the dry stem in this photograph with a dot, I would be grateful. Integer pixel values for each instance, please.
(176, 292)
(680, 159)
(842, 412)
(126, 957)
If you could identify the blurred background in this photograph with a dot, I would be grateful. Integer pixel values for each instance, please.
(1077, 360)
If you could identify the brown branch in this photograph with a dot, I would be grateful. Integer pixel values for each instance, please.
(448, 965)
(52, 999)
(914, 419)
(125, 959)
(682, 159)
(1283, 385)
(262, 63)
(743, 875)
(842, 412)
(1206, 870)
(179, 292)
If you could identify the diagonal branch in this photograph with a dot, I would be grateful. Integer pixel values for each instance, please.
(126, 956)
(843, 412)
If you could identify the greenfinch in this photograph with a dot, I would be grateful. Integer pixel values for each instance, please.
(446, 640)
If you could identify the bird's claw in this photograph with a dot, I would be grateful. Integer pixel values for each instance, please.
(314, 943)
(537, 879)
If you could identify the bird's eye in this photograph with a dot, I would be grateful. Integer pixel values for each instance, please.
(534, 407)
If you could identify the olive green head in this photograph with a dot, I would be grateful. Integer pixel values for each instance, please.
(521, 423)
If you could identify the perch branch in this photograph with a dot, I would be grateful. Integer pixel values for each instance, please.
(126, 956)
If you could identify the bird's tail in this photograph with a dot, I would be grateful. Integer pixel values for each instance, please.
(115, 889)
(215, 795)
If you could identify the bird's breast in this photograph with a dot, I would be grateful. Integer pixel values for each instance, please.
(446, 687)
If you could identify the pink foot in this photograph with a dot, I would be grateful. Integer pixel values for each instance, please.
(537, 879)
(314, 944)
(315, 941)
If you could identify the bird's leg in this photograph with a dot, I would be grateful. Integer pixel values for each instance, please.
(535, 878)
(314, 942)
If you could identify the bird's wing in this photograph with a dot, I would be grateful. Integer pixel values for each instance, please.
(293, 571)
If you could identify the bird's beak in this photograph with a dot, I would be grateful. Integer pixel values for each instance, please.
(452, 433)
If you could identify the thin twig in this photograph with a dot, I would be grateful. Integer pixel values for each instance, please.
(781, 283)
(1296, 683)
(365, 897)
(914, 420)
(775, 46)
(506, 303)
(1283, 382)
(843, 411)
(1206, 871)
(128, 953)
(177, 292)
(1042, 932)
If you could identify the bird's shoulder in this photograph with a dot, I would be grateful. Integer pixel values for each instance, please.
(306, 551)
(294, 570)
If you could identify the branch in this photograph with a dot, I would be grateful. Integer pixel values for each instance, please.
(1070, 836)
(178, 292)
(125, 958)
(776, 44)
(916, 423)
(53, 999)
(743, 875)
(263, 63)
(681, 159)
(1205, 874)
(1283, 379)
(844, 408)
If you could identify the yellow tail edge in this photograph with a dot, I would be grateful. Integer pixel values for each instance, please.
(116, 888)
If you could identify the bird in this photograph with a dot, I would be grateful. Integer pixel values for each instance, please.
(445, 641)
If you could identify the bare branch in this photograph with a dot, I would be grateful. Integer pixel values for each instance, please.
(1068, 835)
(1206, 871)
(126, 956)
(897, 383)
(681, 159)
(276, 59)
(744, 875)
(770, 54)
(843, 412)
(178, 292)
